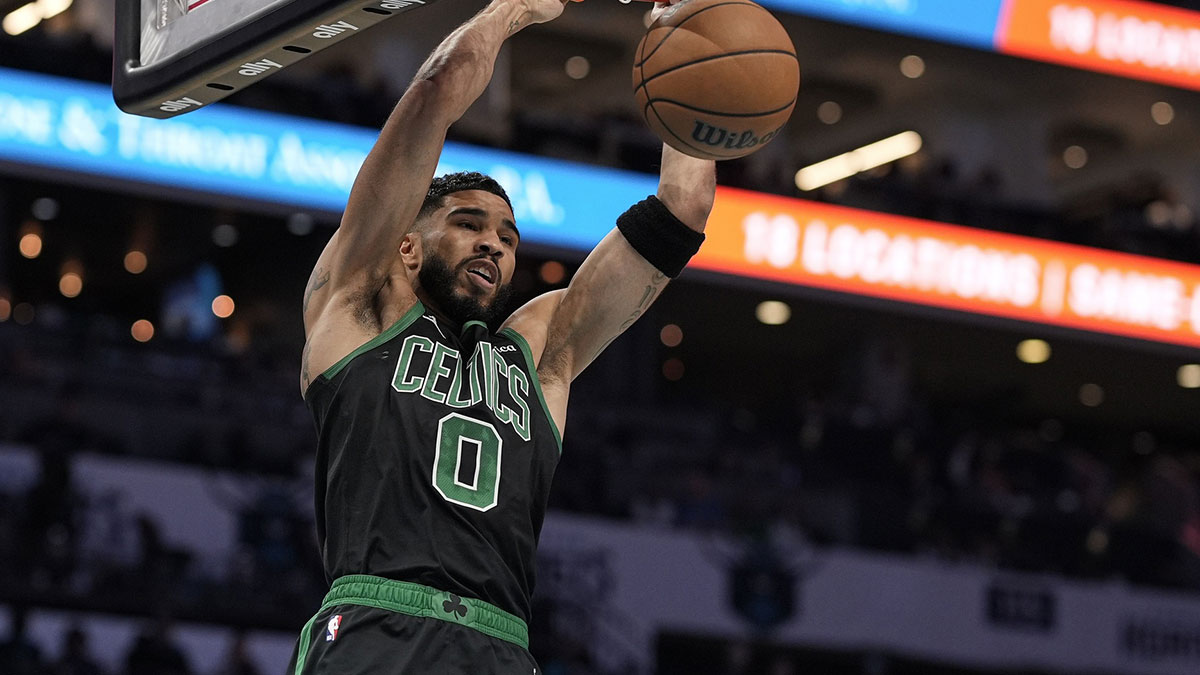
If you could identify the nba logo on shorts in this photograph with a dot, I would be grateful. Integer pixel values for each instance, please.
(331, 630)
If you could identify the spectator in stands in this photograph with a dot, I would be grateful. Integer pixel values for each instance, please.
(739, 658)
(700, 506)
(238, 662)
(11, 556)
(51, 505)
(265, 527)
(109, 538)
(877, 383)
(154, 653)
(783, 665)
(18, 655)
(161, 566)
(75, 659)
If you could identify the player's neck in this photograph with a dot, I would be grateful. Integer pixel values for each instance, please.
(432, 307)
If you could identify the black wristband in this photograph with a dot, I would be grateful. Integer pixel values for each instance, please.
(655, 233)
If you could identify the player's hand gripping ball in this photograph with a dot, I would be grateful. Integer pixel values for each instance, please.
(716, 79)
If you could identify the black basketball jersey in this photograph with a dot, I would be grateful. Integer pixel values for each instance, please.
(435, 454)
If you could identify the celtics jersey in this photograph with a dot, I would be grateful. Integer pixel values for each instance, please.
(435, 454)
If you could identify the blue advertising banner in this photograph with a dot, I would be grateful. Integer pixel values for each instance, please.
(75, 126)
(966, 22)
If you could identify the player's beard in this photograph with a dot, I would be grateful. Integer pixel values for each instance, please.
(441, 285)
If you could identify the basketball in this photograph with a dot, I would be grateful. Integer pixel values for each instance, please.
(716, 79)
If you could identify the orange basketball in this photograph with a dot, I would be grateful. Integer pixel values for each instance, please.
(716, 79)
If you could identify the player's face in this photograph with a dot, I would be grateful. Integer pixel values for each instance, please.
(470, 255)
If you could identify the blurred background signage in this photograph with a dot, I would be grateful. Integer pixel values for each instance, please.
(1137, 40)
(263, 157)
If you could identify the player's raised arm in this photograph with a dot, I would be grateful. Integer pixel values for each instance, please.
(392, 182)
(341, 308)
(623, 275)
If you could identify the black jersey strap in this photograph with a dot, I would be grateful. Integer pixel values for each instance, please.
(661, 238)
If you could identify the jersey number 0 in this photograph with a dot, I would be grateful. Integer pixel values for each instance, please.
(475, 487)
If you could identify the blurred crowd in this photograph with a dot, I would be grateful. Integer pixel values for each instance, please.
(868, 463)
(863, 462)
(153, 652)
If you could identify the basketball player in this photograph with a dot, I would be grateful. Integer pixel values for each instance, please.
(437, 439)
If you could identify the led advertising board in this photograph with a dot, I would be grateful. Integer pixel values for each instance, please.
(965, 22)
(961, 268)
(1137, 40)
(306, 164)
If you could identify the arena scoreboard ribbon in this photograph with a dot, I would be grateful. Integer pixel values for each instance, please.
(961, 268)
(73, 129)
(1138, 40)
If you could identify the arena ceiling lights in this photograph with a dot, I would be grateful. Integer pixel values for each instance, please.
(20, 16)
(865, 158)
(175, 56)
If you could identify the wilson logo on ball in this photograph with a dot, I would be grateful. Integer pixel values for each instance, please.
(731, 140)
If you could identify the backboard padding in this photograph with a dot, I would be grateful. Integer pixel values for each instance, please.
(198, 55)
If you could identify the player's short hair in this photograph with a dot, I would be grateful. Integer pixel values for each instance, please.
(457, 182)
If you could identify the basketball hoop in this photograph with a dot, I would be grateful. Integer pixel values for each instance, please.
(175, 56)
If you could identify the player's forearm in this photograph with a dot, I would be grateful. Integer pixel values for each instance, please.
(462, 65)
(687, 186)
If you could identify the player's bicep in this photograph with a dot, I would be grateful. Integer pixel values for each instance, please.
(611, 290)
(532, 323)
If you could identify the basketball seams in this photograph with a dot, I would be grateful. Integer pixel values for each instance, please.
(687, 19)
(764, 113)
(706, 59)
(640, 65)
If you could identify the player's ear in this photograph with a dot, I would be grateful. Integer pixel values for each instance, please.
(410, 250)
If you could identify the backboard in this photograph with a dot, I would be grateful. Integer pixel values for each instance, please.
(175, 56)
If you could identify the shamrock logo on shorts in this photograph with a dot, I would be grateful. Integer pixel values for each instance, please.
(455, 606)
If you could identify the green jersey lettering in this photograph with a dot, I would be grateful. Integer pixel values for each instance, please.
(402, 381)
(438, 371)
(462, 371)
(517, 380)
(451, 380)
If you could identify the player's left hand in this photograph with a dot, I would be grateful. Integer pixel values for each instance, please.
(659, 8)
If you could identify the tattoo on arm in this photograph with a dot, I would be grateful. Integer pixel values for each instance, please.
(319, 278)
(304, 378)
(519, 23)
(657, 282)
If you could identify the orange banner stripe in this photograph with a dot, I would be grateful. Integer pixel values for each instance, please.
(1132, 39)
(960, 268)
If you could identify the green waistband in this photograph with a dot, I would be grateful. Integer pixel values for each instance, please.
(417, 600)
